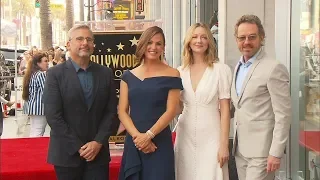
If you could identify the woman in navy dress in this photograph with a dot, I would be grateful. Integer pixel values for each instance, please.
(149, 97)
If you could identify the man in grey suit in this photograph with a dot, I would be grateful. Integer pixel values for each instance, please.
(261, 97)
(80, 106)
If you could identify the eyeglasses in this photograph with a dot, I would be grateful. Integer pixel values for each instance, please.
(81, 39)
(250, 38)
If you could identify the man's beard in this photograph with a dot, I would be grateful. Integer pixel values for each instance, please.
(84, 54)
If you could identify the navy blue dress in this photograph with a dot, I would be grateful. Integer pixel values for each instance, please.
(147, 101)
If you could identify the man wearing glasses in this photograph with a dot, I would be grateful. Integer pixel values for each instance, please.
(80, 107)
(261, 97)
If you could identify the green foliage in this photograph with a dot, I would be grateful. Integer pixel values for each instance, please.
(58, 13)
(25, 7)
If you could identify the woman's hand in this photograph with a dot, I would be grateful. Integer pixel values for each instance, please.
(150, 148)
(141, 140)
(223, 155)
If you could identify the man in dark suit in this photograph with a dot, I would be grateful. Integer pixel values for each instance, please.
(80, 107)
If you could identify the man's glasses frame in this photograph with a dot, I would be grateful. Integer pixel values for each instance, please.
(251, 37)
(81, 39)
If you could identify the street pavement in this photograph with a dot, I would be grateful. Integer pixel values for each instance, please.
(18, 127)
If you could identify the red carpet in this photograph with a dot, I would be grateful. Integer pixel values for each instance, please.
(25, 159)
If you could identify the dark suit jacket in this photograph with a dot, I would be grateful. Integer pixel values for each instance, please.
(73, 123)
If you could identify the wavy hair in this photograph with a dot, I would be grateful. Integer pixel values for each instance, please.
(210, 54)
(251, 19)
(143, 42)
(32, 67)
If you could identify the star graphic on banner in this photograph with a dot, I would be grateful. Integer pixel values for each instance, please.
(134, 41)
(102, 44)
(120, 46)
(108, 50)
(99, 50)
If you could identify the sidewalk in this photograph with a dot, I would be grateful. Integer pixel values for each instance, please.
(18, 127)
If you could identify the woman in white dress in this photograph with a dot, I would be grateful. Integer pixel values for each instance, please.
(201, 149)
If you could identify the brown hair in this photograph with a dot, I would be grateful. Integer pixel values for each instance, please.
(144, 39)
(251, 19)
(211, 53)
(32, 67)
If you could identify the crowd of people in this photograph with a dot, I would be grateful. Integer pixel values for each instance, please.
(77, 98)
(55, 55)
(33, 66)
(31, 63)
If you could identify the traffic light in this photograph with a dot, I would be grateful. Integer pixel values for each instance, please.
(37, 3)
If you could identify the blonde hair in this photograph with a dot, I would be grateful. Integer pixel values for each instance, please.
(211, 53)
(144, 40)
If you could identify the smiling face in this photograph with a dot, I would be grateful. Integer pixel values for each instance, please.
(248, 40)
(154, 48)
(199, 42)
(81, 43)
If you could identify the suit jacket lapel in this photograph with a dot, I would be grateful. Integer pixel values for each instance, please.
(249, 74)
(233, 86)
(72, 74)
(96, 82)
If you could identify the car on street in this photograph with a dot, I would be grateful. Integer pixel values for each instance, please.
(7, 69)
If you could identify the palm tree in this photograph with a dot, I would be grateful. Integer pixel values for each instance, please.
(45, 25)
(24, 9)
(69, 14)
(58, 13)
(58, 16)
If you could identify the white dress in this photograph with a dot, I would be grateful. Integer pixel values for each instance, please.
(198, 129)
